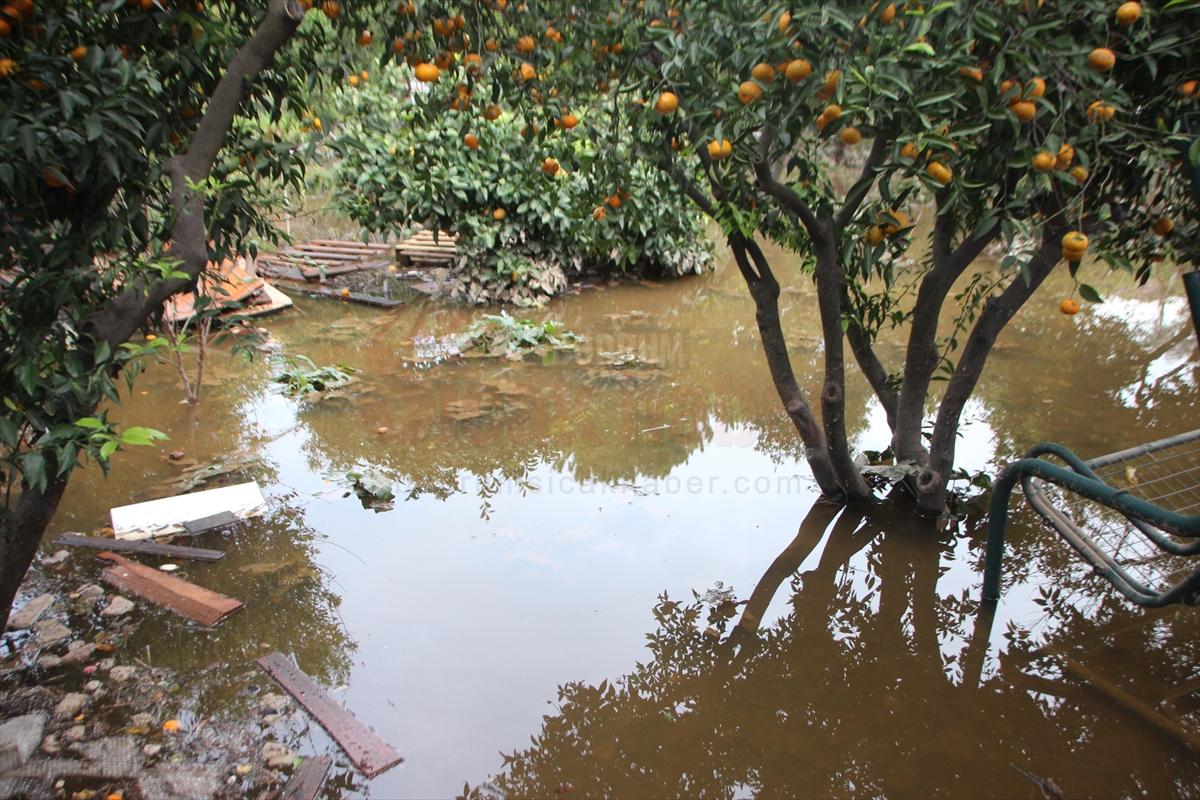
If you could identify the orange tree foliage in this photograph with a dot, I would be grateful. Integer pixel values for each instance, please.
(1012, 124)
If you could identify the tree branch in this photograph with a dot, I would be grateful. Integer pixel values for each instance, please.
(117, 321)
(865, 181)
(996, 314)
(784, 194)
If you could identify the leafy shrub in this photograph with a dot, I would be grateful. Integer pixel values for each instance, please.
(502, 335)
(523, 232)
(303, 378)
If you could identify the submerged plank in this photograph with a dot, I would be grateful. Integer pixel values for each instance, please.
(371, 754)
(306, 782)
(175, 594)
(145, 548)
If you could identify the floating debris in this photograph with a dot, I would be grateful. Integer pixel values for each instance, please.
(369, 753)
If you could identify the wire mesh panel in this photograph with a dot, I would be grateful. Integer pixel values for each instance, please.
(1165, 473)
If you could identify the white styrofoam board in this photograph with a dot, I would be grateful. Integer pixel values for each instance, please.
(166, 516)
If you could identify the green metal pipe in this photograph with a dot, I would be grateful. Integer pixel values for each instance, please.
(1118, 499)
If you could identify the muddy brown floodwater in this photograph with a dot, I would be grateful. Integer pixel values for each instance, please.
(523, 620)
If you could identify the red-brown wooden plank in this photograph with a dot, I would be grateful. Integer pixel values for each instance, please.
(175, 594)
(371, 754)
(306, 782)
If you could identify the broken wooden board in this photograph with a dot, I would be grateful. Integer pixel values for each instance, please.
(174, 594)
(144, 548)
(306, 781)
(221, 519)
(168, 515)
(366, 750)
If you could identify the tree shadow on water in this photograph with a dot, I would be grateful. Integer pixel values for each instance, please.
(855, 689)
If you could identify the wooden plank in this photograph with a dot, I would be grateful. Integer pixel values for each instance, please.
(145, 548)
(221, 519)
(378, 246)
(371, 754)
(175, 594)
(306, 782)
(364, 252)
(300, 255)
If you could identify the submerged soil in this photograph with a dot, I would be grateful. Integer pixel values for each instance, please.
(607, 572)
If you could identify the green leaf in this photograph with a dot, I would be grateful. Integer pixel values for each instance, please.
(141, 436)
(91, 423)
(1090, 294)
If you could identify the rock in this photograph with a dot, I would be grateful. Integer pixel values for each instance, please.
(92, 686)
(79, 652)
(122, 674)
(30, 612)
(19, 737)
(50, 745)
(76, 733)
(141, 720)
(71, 704)
(90, 593)
(55, 559)
(278, 756)
(117, 607)
(50, 632)
(105, 664)
(152, 749)
(273, 703)
(49, 662)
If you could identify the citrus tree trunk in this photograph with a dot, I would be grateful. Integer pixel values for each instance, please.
(21, 529)
(764, 290)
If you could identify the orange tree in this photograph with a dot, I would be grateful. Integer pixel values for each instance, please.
(1051, 133)
(522, 232)
(136, 147)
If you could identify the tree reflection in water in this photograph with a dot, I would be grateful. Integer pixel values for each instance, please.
(856, 690)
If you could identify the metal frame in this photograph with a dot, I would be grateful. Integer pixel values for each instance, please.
(1156, 523)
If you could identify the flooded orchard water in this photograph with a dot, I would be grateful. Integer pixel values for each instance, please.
(523, 618)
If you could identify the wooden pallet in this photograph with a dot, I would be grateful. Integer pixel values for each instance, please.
(328, 258)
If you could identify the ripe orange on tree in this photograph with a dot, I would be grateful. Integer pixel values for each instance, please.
(798, 70)
(748, 92)
(939, 172)
(365, 38)
(850, 136)
(568, 120)
(550, 166)
(499, 214)
(1074, 245)
(492, 113)
(1128, 13)
(426, 72)
(1102, 59)
(763, 72)
(1066, 155)
(666, 103)
(471, 141)
(1024, 110)
(720, 149)
(79, 53)
(1043, 161)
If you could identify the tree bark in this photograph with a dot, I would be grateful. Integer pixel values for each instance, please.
(921, 356)
(831, 288)
(934, 477)
(20, 534)
(764, 289)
